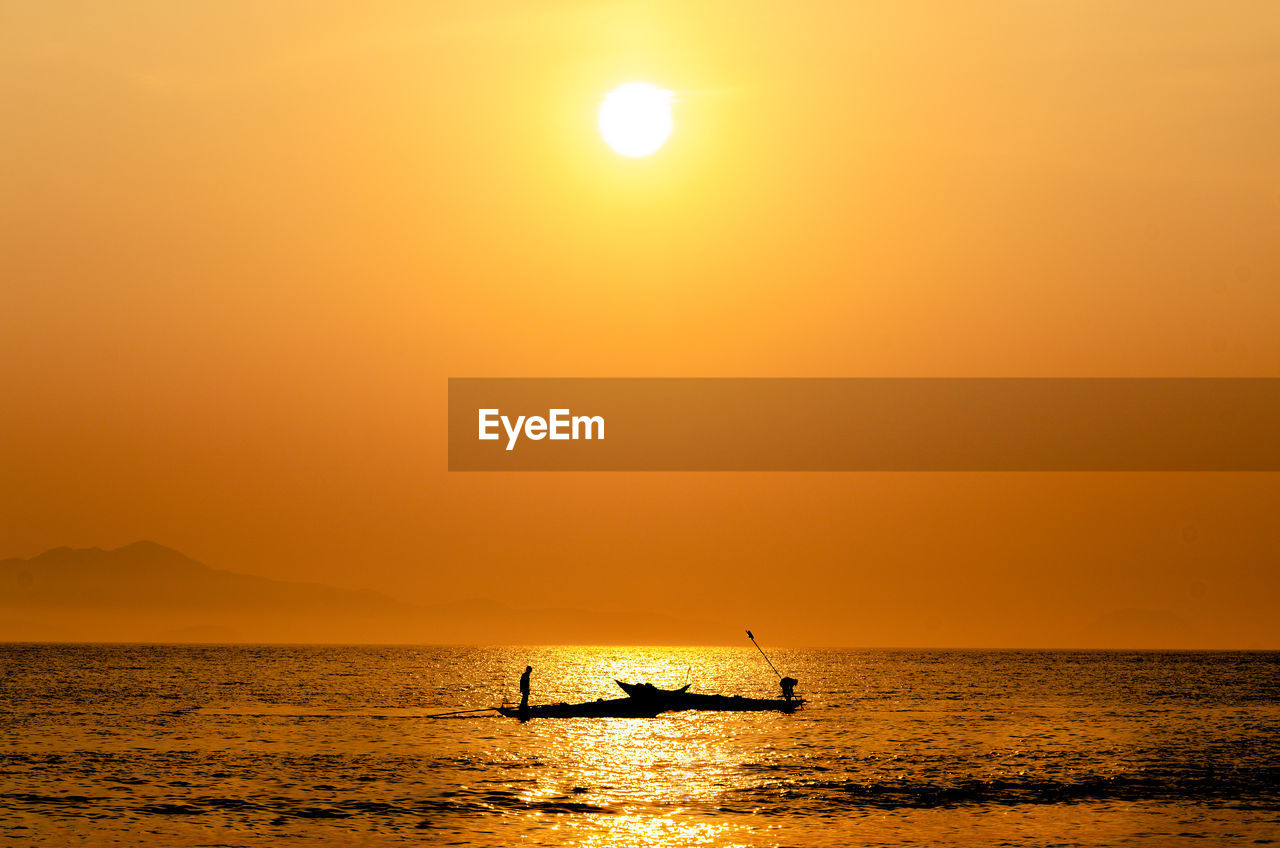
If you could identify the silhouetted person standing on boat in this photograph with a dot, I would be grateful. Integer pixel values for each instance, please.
(789, 687)
(524, 689)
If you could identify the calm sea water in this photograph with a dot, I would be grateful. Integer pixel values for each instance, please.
(234, 745)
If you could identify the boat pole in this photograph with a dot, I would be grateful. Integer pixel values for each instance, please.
(763, 654)
(462, 712)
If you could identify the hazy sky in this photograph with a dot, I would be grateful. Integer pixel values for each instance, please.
(243, 246)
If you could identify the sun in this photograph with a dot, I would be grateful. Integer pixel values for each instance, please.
(635, 119)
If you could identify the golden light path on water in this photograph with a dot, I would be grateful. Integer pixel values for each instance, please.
(667, 766)
(638, 782)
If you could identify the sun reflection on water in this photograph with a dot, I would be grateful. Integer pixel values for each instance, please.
(633, 831)
(632, 782)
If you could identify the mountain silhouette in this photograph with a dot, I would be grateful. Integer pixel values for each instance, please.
(148, 576)
(148, 592)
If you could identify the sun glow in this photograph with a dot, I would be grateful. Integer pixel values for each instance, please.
(635, 119)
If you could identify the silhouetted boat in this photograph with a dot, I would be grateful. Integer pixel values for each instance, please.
(650, 702)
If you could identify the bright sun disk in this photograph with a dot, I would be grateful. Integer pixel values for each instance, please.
(635, 119)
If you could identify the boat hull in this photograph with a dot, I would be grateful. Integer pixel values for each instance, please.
(616, 708)
(729, 703)
(648, 707)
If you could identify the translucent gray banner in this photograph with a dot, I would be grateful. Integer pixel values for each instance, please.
(864, 424)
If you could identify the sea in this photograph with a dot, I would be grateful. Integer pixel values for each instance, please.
(165, 745)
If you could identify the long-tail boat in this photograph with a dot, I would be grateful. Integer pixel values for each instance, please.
(646, 701)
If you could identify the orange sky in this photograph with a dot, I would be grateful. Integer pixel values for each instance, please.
(242, 248)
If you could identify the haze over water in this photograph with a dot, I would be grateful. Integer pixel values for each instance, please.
(243, 745)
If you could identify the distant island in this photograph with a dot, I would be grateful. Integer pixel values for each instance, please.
(146, 592)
